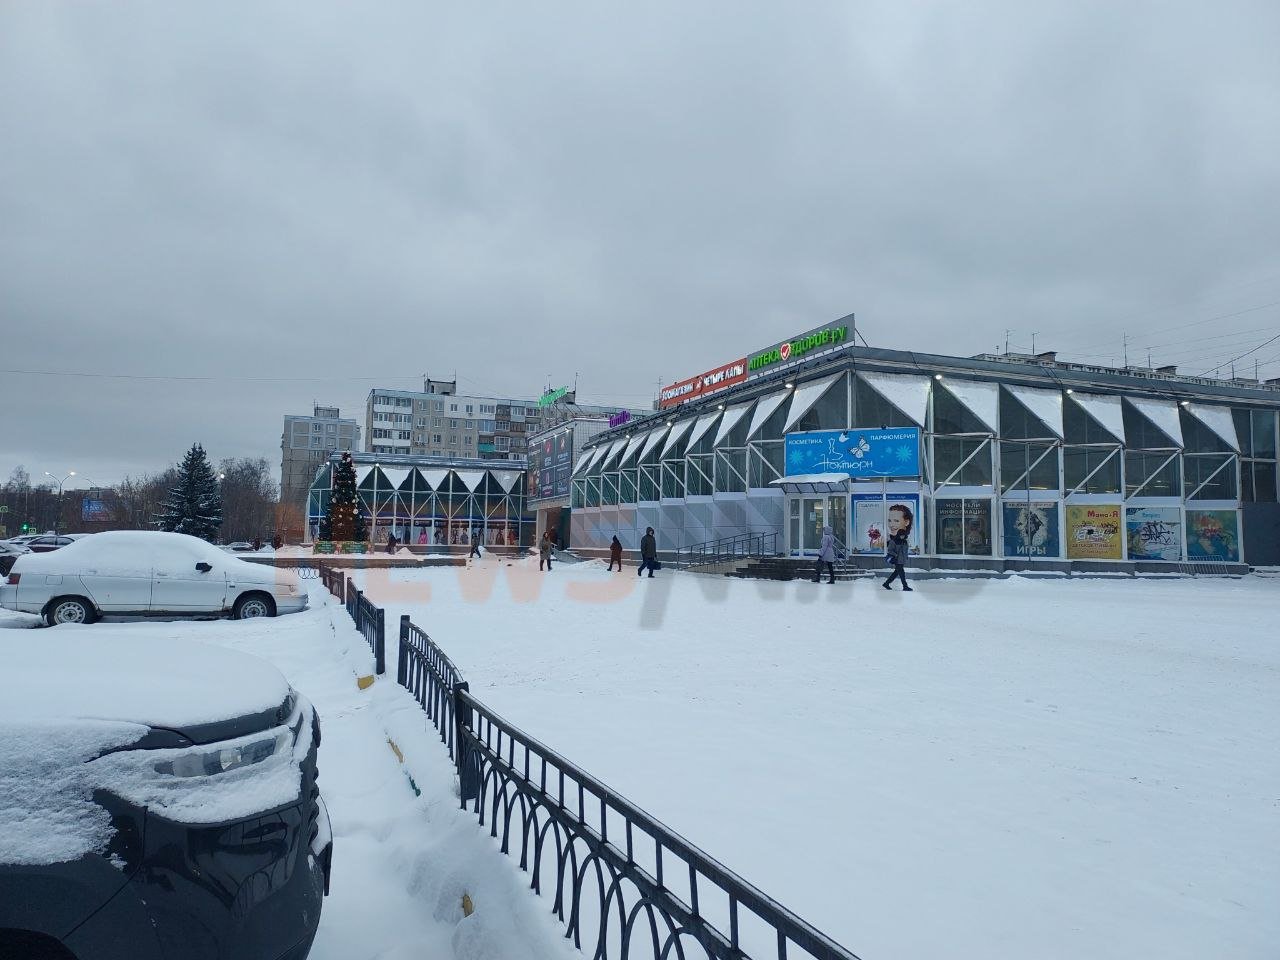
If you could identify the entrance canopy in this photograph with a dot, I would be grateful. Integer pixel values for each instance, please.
(813, 483)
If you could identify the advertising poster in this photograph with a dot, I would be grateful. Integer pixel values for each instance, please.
(1154, 533)
(875, 519)
(964, 526)
(893, 452)
(92, 510)
(1213, 535)
(1093, 532)
(1031, 529)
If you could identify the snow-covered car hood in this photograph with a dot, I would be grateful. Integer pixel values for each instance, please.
(74, 673)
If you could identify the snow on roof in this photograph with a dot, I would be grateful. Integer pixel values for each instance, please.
(833, 478)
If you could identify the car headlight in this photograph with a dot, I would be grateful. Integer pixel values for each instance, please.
(211, 760)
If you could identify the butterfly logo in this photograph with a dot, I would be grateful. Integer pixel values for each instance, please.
(861, 449)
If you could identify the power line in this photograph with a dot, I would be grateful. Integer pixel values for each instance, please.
(218, 379)
(1245, 354)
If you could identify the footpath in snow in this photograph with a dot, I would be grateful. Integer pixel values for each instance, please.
(977, 769)
(401, 862)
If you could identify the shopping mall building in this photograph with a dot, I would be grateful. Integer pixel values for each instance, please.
(1008, 460)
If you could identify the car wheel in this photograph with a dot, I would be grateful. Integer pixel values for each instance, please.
(69, 610)
(253, 605)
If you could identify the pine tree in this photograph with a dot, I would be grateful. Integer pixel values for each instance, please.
(194, 506)
(343, 520)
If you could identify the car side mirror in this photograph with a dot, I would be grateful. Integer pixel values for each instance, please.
(204, 567)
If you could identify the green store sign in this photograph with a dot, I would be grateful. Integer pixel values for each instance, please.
(822, 338)
(551, 396)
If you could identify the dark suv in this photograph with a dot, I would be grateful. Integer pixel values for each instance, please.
(160, 803)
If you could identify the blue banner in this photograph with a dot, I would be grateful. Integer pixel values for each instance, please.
(894, 452)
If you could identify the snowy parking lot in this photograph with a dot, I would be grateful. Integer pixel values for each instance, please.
(1009, 768)
(401, 862)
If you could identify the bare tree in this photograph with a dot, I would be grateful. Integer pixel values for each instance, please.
(249, 499)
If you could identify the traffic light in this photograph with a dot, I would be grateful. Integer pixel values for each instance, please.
(26, 528)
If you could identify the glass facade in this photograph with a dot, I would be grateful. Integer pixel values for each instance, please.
(1009, 469)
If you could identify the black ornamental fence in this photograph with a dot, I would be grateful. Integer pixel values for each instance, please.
(624, 884)
(334, 581)
(370, 621)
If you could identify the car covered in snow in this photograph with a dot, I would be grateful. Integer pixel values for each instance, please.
(47, 543)
(9, 552)
(160, 801)
(130, 572)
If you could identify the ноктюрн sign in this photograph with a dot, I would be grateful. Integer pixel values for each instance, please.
(893, 452)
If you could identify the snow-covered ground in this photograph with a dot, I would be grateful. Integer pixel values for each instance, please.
(401, 863)
(1017, 768)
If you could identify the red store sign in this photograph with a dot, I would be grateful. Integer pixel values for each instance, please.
(697, 387)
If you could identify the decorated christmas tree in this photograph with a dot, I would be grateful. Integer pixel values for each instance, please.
(343, 520)
(194, 506)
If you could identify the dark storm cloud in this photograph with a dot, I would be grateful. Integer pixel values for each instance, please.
(517, 192)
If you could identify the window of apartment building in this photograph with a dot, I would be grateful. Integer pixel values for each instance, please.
(470, 424)
(439, 406)
(315, 441)
(453, 439)
(470, 409)
(453, 424)
(487, 426)
(502, 443)
(380, 433)
(531, 412)
(466, 441)
(436, 438)
(504, 426)
(422, 421)
(517, 414)
(332, 443)
(402, 434)
(331, 428)
(317, 427)
(453, 408)
(488, 408)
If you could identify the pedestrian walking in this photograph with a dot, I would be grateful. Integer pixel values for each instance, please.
(544, 552)
(827, 556)
(475, 545)
(648, 553)
(392, 542)
(615, 554)
(900, 520)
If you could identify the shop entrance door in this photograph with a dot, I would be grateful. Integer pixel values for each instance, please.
(810, 514)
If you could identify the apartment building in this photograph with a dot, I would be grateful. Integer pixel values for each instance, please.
(306, 444)
(439, 422)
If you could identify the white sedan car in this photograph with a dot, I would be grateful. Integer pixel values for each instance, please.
(137, 572)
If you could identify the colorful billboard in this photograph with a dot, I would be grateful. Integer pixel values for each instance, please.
(858, 453)
(1093, 532)
(876, 517)
(703, 384)
(550, 466)
(1031, 529)
(94, 510)
(1213, 535)
(1154, 533)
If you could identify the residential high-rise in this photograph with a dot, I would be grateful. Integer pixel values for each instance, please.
(307, 443)
(440, 422)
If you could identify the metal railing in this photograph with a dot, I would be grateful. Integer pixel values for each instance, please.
(624, 884)
(743, 546)
(370, 621)
(334, 581)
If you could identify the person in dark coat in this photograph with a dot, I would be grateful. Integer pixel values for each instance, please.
(615, 554)
(392, 543)
(826, 556)
(544, 552)
(900, 520)
(475, 545)
(648, 553)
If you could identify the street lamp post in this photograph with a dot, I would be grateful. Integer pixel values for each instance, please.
(57, 517)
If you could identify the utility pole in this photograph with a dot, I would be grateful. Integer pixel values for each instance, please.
(1125, 340)
(1033, 342)
(1006, 340)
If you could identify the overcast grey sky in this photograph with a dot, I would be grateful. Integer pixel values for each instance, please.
(318, 196)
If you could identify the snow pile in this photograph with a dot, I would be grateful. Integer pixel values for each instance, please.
(1041, 768)
(46, 788)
